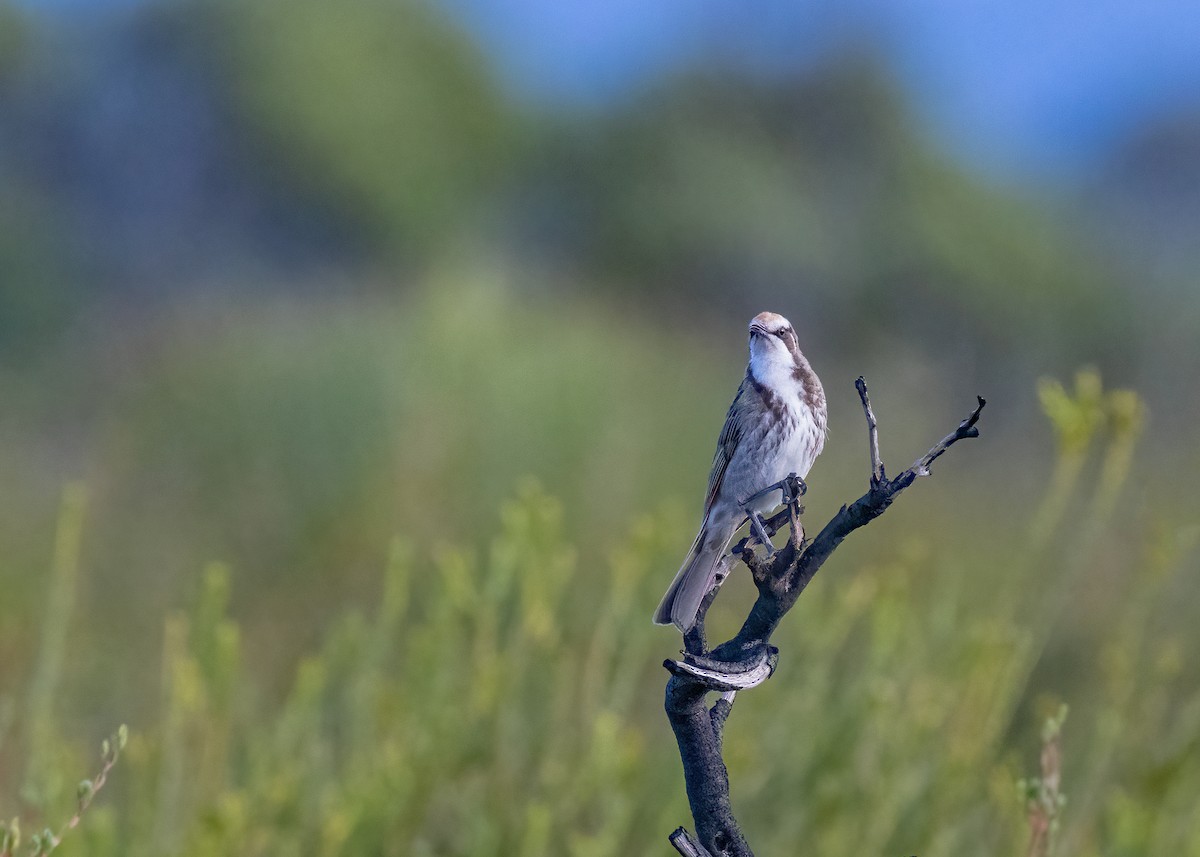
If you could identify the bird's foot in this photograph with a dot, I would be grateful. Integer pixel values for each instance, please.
(759, 529)
(793, 488)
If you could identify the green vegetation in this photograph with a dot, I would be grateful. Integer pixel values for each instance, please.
(1043, 795)
(378, 110)
(47, 840)
(734, 191)
(294, 295)
(498, 689)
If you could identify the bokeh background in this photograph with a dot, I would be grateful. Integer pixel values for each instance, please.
(360, 366)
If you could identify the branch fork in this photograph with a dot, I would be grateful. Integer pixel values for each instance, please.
(748, 659)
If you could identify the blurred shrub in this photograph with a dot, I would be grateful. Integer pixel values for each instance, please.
(47, 839)
(822, 190)
(189, 141)
(506, 700)
(292, 439)
(34, 296)
(379, 109)
(1043, 795)
(13, 40)
(197, 140)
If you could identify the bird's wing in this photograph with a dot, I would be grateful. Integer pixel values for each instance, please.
(727, 444)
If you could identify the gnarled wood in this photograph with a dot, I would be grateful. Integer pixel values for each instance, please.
(749, 659)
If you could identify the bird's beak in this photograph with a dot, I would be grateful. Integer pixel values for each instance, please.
(757, 330)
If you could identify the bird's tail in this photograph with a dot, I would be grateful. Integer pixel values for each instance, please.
(695, 578)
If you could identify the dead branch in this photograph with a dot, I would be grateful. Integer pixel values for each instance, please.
(749, 659)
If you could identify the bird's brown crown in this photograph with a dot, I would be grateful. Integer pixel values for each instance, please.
(771, 322)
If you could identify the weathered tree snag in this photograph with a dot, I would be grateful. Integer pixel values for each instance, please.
(748, 659)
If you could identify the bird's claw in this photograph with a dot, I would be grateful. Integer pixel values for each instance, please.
(759, 529)
(793, 488)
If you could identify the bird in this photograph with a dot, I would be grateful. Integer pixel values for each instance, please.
(775, 427)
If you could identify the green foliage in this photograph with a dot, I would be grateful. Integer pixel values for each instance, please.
(290, 443)
(13, 41)
(381, 109)
(1042, 795)
(824, 188)
(505, 699)
(47, 759)
(500, 694)
(374, 133)
(46, 841)
(1078, 421)
(35, 296)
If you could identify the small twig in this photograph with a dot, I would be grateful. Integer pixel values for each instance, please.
(686, 845)
(110, 752)
(965, 429)
(877, 474)
(719, 713)
(721, 708)
(795, 528)
(1043, 796)
(46, 841)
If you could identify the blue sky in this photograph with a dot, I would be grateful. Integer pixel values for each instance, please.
(1041, 86)
(1015, 86)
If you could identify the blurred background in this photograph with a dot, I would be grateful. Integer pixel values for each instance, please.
(360, 369)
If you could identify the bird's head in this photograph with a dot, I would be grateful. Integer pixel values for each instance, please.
(772, 342)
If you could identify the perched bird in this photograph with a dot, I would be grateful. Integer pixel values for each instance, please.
(776, 426)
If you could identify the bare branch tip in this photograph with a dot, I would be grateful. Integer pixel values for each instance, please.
(967, 427)
(720, 712)
(686, 845)
(863, 396)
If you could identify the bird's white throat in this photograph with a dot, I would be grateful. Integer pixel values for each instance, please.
(771, 365)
